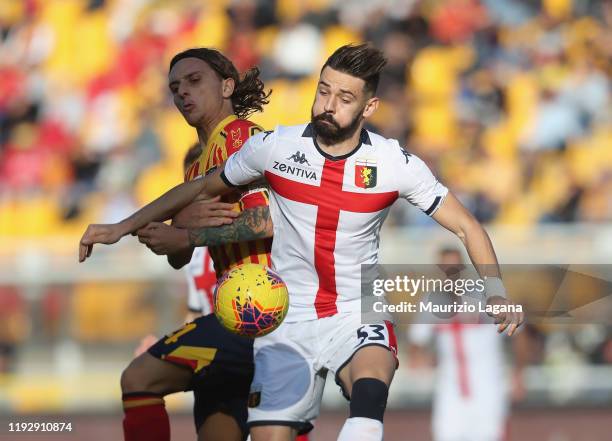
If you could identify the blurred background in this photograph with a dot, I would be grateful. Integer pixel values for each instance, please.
(508, 101)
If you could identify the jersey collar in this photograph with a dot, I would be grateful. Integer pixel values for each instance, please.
(364, 138)
(225, 121)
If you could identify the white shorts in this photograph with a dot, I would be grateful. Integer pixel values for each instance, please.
(291, 365)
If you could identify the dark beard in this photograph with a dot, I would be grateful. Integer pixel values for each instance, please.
(332, 133)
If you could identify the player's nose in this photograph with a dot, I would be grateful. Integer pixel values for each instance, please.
(182, 90)
(330, 105)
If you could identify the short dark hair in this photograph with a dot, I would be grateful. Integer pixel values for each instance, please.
(449, 249)
(359, 60)
(192, 155)
(249, 95)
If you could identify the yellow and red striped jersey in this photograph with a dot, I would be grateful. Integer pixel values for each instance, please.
(228, 137)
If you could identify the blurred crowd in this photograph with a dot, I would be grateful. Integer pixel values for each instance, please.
(507, 100)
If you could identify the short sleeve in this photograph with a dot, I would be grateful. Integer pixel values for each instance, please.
(257, 196)
(249, 163)
(237, 134)
(418, 185)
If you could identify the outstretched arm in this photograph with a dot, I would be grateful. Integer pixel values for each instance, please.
(166, 206)
(161, 209)
(453, 216)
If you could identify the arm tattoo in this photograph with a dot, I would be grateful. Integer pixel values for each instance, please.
(253, 223)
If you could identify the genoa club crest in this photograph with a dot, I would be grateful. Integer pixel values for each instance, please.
(365, 173)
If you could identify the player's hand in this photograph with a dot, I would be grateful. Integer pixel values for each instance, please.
(163, 239)
(205, 213)
(506, 320)
(98, 233)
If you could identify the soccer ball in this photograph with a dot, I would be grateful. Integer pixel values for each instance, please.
(251, 300)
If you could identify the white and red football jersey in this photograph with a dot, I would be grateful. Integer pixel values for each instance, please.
(328, 211)
(470, 399)
(469, 355)
(201, 281)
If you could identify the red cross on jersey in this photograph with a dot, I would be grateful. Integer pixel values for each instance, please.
(328, 211)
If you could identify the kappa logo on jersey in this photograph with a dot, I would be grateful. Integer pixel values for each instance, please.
(300, 158)
(295, 171)
(365, 173)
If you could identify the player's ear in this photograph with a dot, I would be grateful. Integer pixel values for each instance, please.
(370, 107)
(227, 87)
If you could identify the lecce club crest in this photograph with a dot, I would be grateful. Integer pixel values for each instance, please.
(236, 138)
(365, 173)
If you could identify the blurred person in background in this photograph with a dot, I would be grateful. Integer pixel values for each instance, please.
(471, 400)
(15, 327)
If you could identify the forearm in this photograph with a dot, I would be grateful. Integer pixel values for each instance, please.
(253, 223)
(456, 218)
(453, 216)
(164, 207)
(180, 258)
(480, 249)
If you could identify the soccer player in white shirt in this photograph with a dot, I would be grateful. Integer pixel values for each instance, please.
(471, 400)
(332, 183)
